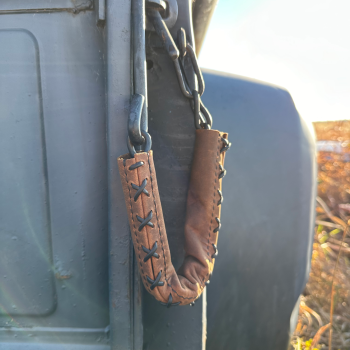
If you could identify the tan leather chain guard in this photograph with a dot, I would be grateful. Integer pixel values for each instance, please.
(202, 224)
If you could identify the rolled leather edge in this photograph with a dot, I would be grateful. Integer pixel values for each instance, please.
(201, 226)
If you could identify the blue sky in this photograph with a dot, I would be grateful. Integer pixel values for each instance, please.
(302, 45)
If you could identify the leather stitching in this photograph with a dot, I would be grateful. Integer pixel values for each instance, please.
(156, 211)
(215, 182)
(160, 234)
(132, 217)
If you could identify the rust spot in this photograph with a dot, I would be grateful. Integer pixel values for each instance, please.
(60, 276)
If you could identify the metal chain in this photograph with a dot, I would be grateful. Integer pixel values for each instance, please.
(202, 117)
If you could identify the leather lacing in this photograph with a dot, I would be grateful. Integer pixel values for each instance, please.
(151, 252)
(170, 302)
(157, 282)
(147, 222)
(140, 189)
(222, 174)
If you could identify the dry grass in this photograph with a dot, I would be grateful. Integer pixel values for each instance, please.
(324, 315)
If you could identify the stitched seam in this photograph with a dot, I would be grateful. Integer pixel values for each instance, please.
(132, 217)
(215, 181)
(160, 233)
(180, 296)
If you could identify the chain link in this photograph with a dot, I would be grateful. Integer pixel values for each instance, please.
(139, 138)
(202, 117)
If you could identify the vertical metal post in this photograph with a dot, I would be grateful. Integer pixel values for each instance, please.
(139, 87)
(124, 314)
(137, 309)
(139, 56)
(173, 133)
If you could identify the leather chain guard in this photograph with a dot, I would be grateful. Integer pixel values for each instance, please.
(202, 223)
